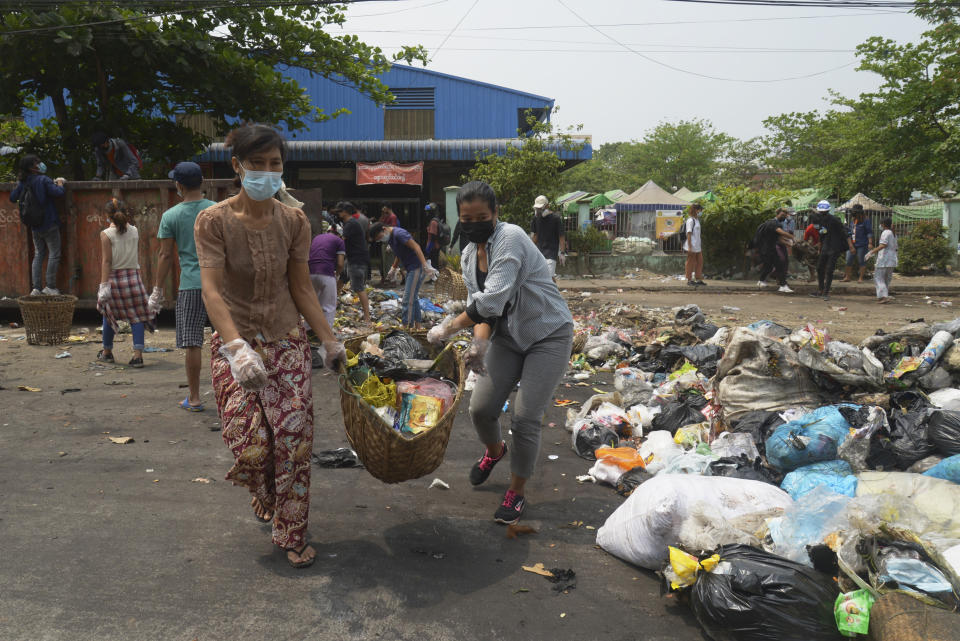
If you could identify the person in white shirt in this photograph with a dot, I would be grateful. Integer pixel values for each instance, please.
(886, 252)
(692, 246)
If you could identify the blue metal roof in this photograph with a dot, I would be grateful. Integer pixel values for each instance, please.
(478, 83)
(398, 150)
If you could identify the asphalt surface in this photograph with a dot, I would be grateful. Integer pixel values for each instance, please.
(103, 541)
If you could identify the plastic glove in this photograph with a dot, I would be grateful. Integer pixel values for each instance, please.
(430, 272)
(155, 304)
(335, 354)
(103, 293)
(245, 365)
(394, 274)
(439, 333)
(475, 354)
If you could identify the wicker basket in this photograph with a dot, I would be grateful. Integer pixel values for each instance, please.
(450, 284)
(385, 453)
(899, 617)
(47, 319)
(579, 342)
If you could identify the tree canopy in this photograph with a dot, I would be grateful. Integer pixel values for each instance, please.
(131, 68)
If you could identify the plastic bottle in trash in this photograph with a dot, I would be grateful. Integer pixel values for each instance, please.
(936, 348)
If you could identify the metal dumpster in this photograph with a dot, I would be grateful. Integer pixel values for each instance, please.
(83, 217)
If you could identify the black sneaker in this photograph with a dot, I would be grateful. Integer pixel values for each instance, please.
(482, 468)
(700, 283)
(103, 357)
(136, 361)
(511, 509)
(691, 283)
(815, 294)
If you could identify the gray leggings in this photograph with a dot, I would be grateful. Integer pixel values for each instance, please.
(538, 370)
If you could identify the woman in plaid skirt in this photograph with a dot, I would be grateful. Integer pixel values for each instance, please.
(121, 295)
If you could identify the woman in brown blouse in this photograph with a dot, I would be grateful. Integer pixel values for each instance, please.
(253, 253)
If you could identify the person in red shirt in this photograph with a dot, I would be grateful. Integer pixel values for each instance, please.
(807, 251)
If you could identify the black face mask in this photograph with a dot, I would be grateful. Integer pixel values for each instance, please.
(478, 232)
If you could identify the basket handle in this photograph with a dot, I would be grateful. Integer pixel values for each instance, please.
(340, 379)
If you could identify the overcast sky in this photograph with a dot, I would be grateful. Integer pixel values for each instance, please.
(542, 47)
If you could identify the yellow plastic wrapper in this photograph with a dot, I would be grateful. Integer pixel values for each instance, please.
(377, 393)
(685, 567)
(687, 367)
(691, 435)
(352, 360)
(419, 413)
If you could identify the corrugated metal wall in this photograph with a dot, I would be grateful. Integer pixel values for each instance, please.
(464, 108)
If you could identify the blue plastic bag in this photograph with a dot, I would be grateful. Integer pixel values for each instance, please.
(807, 522)
(947, 469)
(812, 438)
(836, 476)
(426, 305)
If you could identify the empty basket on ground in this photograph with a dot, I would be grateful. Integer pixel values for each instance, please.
(450, 284)
(388, 455)
(47, 319)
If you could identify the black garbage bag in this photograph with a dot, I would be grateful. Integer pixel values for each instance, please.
(943, 428)
(381, 366)
(704, 331)
(694, 399)
(675, 415)
(742, 467)
(857, 416)
(909, 440)
(704, 357)
(908, 401)
(399, 345)
(632, 479)
(671, 356)
(341, 457)
(689, 315)
(652, 365)
(758, 424)
(757, 596)
(882, 456)
(590, 437)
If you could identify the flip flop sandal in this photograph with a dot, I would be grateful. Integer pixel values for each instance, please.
(262, 519)
(300, 564)
(190, 408)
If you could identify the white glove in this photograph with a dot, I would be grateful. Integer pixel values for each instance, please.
(394, 274)
(155, 304)
(430, 272)
(475, 355)
(335, 354)
(439, 333)
(245, 365)
(103, 293)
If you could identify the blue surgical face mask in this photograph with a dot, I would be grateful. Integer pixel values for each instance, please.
(261, 185)
(42, 167)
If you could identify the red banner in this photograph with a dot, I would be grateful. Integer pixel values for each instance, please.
(389, 173)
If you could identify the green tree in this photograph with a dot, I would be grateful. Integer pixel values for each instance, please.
(925, 247)
(730, 222)
(888, 142)
(525, 171)
(133, 69)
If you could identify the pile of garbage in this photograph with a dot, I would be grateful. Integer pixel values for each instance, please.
(394, 374)
(634, 246)
(385, 309)
(787, 482)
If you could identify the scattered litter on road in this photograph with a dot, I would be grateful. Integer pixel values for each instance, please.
(151, 350)
(70, 389)
(439, 484)
(338, 458)
(537, 568)
(27, 388)
(63, 355)
(514, 530)
(201, 479)
(121, 440)
(118, 382)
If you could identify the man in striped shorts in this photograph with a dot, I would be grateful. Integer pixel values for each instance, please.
(176, 229)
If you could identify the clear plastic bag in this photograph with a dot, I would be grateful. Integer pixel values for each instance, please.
(811, 518)
(734, 445)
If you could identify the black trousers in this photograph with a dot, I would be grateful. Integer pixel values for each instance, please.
(774, 262)
(825, 267)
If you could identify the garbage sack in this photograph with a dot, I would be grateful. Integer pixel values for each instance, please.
(398, 345)
(704, 331)
(947, 469)
(807, 522)
(704, 357)
(909, 435)
(951, 359)
(641, 417)
(760, 373)
(952, 327)
(758, 424)
(832, 374)
(946, 399)
(689, 315)
(812, 438)
(742, 467)
(688, 463)
(845, 355)
(689, 436)
(721, 337)
(900, 617)
(943, 428)
(753, 595)
(925, 464)
(658, 450)
(900, 564)
(594, 402)
(769, 329)
(936, 499)
(864, 423)
(913, 332)
(675, 415)
(705, 529)
(633, 386)
(734, 445)
(641, 529)
(631, 480)
(588, 435)
(937, 379)
(837, 476)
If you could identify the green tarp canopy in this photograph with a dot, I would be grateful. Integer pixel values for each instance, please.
(808, 198)
(914, 213)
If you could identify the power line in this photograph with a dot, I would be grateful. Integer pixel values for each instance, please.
(622, 51)
(459, 22)
(687, 71)
(390, 13)
(831, 4)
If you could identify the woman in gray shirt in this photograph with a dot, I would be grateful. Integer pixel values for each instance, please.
(522, 333)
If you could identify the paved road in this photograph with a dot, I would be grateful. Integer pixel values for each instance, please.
(109, 541)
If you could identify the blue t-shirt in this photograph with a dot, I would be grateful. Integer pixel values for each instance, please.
(861, 233)
(398, 243)
(177, 223)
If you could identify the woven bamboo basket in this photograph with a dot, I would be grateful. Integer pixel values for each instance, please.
(387, 455)
(899, 617)
(47, 319)
(579, 342)
(450, 284)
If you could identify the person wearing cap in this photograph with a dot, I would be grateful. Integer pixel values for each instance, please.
(834, 239)
(176, 238)
(548, 234)
(115, 159)
(862, 231)
(771, 241)
(693, 247)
